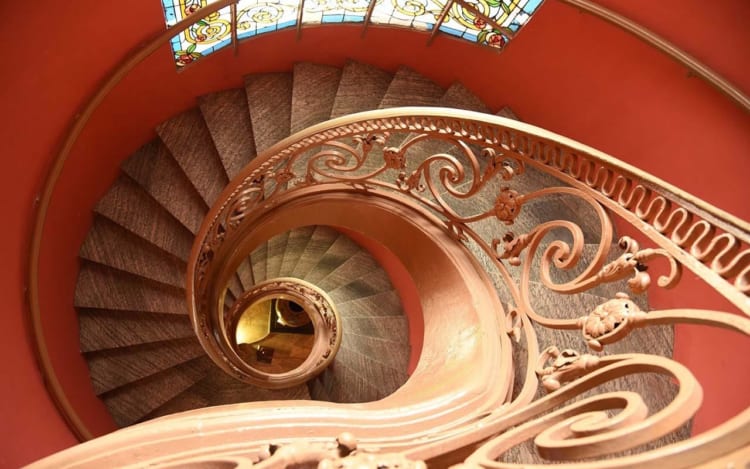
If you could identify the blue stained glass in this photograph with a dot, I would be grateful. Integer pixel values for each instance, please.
(496, 22)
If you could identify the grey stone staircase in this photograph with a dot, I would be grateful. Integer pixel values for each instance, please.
(134, 328)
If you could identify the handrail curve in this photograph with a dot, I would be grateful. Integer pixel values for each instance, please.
(450, 183)
(382, 155)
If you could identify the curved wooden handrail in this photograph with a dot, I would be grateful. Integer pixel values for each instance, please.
(449, 404)
(657, 42)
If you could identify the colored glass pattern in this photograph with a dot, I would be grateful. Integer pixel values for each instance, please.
(486, 22)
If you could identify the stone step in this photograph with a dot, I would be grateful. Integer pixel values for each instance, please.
(108, 329)
(103, 287)
(189, 140)
(320, 241)
(129, 404)
(361, 88)
(269, 98)
(228, 120)
(313, 93)
(128, 205)
(110, 244)
(151, 166)
(295, 246)
(113, 368)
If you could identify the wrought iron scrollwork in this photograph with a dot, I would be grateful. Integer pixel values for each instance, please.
(470, 176)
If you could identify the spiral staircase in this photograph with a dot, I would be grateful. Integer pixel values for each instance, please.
(135, 332)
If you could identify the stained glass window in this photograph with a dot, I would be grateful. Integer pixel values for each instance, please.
(486, 22)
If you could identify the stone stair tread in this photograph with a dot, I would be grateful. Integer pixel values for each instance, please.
(275, 254)
(313, 93)
(345, 386)
(358, 265)
(128, 404)
(361, 88)
(410, 88)
(507, 112)
(322, 239)
(228, 120)
(295, 246)
(109, 244)
(113, 368)
(393, 328)
(365, 286)
(258, 261)
(153, 165)
(269, 97)
(128, 205)
(235, 286)
(382, 304)
(387, 352)
(388, 379)
(245, 274)
(218, 388)
(317, 390)
(188, 139)
(107, 329)
(459, 97)
(103, 287)
(341, 249)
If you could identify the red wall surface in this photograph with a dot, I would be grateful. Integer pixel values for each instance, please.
(567, 72)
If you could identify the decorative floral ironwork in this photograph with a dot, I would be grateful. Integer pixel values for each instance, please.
(610, 321)
(557, 367)
(465, 171)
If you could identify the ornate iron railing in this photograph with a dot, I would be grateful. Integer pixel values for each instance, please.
(459, 177)
(462, 168)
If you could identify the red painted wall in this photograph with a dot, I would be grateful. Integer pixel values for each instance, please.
(567, 72)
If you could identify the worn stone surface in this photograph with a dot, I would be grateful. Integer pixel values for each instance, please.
(103, 287)
(409, 88)
(113, 368)
(361, 88)
(189, 141)
(358, 265)
(128, 205)
(258, 262)
(128, 404)
(295, 246)
(321, 239)
(110, 244)
(269, 98)
(313, 92)
(275, 255)
(386, 303)
(151, 166)
(457, 96)
(341, 250)
(108, 329)
(228, 120)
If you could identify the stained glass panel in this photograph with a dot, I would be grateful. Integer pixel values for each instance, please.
(418, 14)
(208, 35)
(335, 11)
(509, 16)
(261, 16)
(258, 16)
